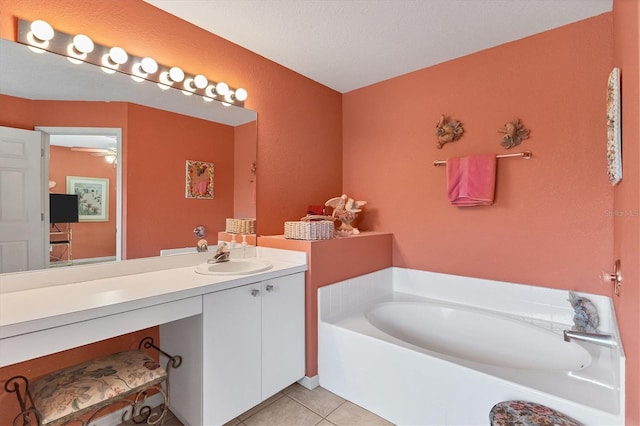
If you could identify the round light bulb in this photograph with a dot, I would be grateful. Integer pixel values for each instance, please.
(188, 85)
(149, 65)
(165, 81)
(118, 55)
(138, 74)
(74, 56)
(241, 94)
(176, 74)
(200, 81)
(210, 91)
(82, 43)
(222, 88)
(228, 97)
(42, 30)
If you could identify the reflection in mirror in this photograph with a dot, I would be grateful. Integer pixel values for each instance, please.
(160, 131)
(92, 153)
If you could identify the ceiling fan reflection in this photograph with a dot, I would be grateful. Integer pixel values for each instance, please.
(109, 154)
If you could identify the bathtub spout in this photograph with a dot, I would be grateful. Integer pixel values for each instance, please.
(597, 339)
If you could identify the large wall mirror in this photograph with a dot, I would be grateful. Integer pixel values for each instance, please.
(152, 132)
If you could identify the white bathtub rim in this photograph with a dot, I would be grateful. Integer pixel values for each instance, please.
(462, 289)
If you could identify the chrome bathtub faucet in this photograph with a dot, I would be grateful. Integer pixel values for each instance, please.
(595, 338)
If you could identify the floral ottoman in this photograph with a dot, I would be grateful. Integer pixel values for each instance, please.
(82, 388)
(524, 413)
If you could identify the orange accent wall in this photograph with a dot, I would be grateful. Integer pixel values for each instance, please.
(159, 216)
(244, 187)
(626, 34)
(549, 224)
(90, 239)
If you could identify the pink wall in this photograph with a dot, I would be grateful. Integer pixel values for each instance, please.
(626, 33)
(244, 186)
(548, 225)
(157, 213)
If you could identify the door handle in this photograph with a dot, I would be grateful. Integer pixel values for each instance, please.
(255, 292)
(269, 288)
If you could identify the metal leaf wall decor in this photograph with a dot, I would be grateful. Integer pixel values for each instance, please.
(514, 133)
(448, 130)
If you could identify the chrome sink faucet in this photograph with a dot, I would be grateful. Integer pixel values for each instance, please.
(222, 254)
(595, 338)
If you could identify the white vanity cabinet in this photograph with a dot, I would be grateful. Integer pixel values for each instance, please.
(252, 347)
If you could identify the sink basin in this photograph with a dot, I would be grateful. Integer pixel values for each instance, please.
(234, 267)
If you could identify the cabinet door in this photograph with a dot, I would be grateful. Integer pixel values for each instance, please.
(231, 357)
(283, 331)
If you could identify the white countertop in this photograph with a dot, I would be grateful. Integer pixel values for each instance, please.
(31, 302)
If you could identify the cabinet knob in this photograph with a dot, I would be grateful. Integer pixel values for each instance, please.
(255, 292)
(269, 288)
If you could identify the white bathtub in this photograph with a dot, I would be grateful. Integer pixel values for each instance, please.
(469, 334)
(420, 348)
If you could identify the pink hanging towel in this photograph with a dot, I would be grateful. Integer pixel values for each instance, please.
(471, 181)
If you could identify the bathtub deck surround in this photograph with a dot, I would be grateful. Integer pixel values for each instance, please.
(359, 254)
(415, 346)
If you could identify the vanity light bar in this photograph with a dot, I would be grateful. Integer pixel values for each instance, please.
(40, 36)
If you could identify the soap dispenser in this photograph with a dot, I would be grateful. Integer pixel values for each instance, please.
(244, 244)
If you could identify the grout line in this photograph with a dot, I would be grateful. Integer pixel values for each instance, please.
(282, 394)
(334, 410)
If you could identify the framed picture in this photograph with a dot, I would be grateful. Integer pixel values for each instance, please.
(93, 197)
(614, 123)
(199, 180)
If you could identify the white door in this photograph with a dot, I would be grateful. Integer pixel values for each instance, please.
(22, 204)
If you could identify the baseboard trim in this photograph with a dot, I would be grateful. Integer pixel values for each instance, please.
(310, 382)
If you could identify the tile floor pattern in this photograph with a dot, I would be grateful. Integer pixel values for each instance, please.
(299, 406)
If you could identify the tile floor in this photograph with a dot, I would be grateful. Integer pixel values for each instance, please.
(298, 406)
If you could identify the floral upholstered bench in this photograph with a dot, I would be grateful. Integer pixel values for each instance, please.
(70, 394)
(525, 413)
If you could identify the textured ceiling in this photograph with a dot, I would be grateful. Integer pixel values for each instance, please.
(348, 44)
